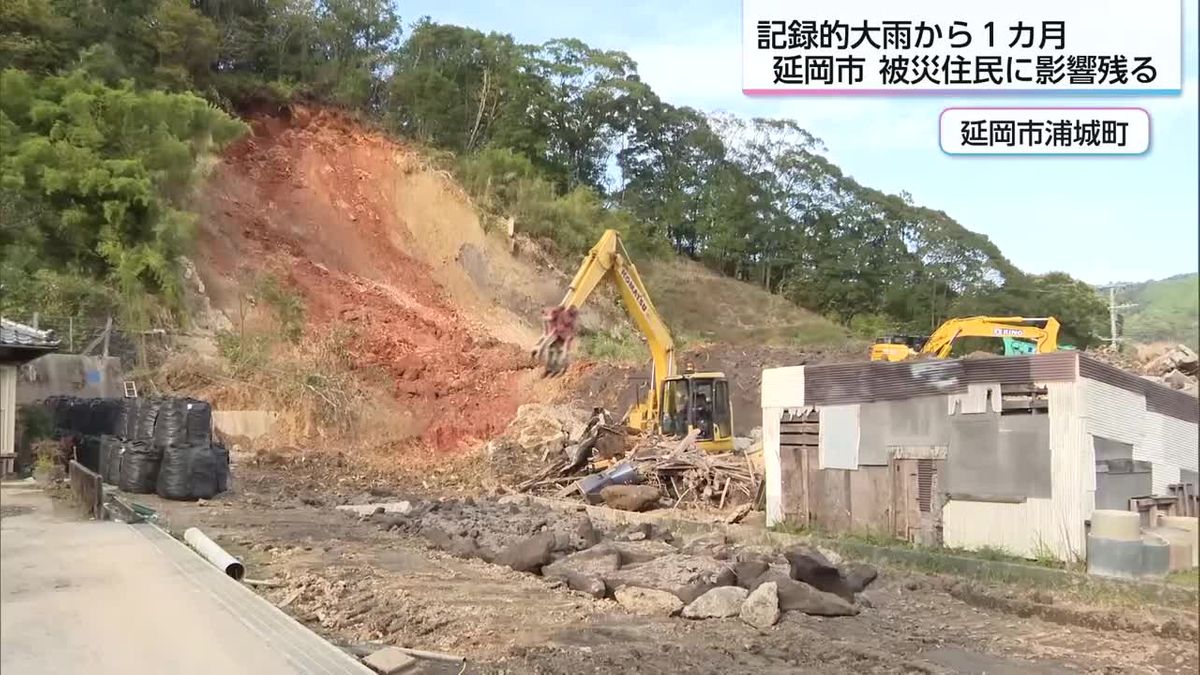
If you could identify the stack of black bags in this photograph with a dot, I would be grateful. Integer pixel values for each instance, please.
(161, 445)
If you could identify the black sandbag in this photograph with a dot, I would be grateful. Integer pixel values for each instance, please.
(188, 472)
(140, 467)
(126, 417)
(147, 414)
(107, 415)
(87, 452)
(111, 469)
(198, 422)
(221, 455)
(169, 425)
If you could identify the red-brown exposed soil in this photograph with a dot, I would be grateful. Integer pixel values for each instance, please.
(311, 199)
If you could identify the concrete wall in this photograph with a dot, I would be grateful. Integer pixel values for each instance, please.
(8, 408)
(1115, 489)
(1107, 448)
(249, 424)
(994, 457)
(920, 421)
(1055, 525)
(70, 375)
(782, 388)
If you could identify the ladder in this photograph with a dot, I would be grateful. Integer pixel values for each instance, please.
(130, 389)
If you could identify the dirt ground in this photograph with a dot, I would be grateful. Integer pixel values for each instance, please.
(357, 583)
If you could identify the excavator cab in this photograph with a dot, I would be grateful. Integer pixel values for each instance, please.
(698, 401)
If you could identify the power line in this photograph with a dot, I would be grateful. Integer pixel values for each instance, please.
(1113, 338)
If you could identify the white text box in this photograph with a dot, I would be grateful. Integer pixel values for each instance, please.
(1044, 131)
(949, 46)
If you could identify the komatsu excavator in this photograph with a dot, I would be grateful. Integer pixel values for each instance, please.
(677, 403)
(1021, 335)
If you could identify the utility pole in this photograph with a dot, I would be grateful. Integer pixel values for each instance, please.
(1113, 338)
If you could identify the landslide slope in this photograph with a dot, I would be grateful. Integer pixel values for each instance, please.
(382, 246)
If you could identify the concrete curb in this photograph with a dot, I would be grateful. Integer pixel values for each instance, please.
(308, 652)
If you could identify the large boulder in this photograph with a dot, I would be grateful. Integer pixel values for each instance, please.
(714, 545)
(718, 603)
(641, 551)
(748, 571)
(529, 554)
(858, 576)
(630, 497)
(813, 568)
(761, 608)
(648, 601)
(686, 577)
(800, 597)
(585, 571)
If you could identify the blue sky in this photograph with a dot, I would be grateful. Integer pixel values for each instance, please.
(1102, 219)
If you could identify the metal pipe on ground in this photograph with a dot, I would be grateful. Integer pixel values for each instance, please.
(210, 551)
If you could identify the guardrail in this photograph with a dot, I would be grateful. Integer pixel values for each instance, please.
(88, 488)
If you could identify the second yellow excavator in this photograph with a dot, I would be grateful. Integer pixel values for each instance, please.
(677, 403)
(1021, 335)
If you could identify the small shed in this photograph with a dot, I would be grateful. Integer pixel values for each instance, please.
(19, 344)
(1009, 452)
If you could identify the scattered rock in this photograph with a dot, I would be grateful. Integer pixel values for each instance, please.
(714, 545)
(858, 576)
(389, 661)
(641, 551)
(585, 571)
(747, 572)
(528, 555)
(761, 607)
(636, 536)
(813, 568)
(630, 497)
(686, 577)
(648, 601)
(800, 597)
(719, 603)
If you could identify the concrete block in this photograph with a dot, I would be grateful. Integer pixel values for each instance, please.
(402, 508)
(389, 661)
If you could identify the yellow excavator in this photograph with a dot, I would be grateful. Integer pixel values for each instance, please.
(677, 403)
(1021, 335)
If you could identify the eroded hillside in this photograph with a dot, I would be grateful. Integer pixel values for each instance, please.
(386, 249)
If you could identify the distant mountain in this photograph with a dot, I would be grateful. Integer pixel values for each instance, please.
(1167, 309)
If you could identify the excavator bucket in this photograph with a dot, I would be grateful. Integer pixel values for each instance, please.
(553, 349)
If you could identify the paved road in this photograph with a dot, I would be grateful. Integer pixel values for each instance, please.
(83, 596)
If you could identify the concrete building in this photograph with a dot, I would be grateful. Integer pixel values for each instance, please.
(19, 344)
(1013, 452)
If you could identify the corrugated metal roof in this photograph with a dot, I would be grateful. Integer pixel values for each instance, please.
(13, 334)
(1055, 367)
(843, 383)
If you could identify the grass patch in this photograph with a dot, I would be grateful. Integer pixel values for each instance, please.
(1187, 578)
(618, 345)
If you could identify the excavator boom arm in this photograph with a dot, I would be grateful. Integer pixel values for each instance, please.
(608, 259)
(1043, 332)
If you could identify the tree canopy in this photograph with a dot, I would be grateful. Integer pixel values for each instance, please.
(108, 105)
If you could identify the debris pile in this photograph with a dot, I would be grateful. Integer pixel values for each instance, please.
(642, 567)
(1176, 366)
(556, 451)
